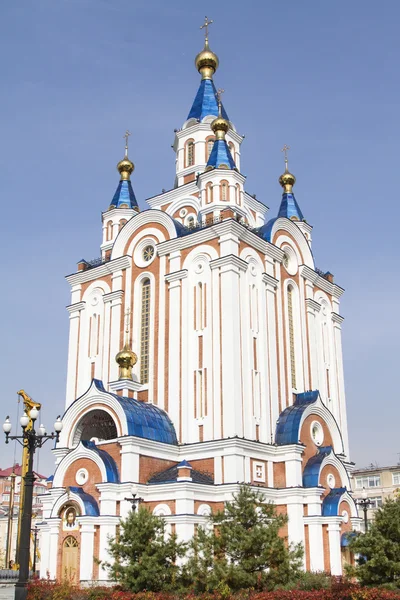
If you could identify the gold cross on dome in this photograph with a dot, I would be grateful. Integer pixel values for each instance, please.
(127, 321)
(285, 150)
(126, 136)
(205, 26)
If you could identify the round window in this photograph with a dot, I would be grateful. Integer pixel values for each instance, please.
(345, 516)
(81, 476)
(148, 253)
(331, 481)
(289, 260)
(317, 433)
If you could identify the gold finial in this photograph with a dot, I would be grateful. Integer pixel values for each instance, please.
(287, 180)
(206, 61)
(220, 125)
(126, 358)
(126, 166)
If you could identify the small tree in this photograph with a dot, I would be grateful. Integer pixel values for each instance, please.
(243, 548)
(144, 555)
(379, 549)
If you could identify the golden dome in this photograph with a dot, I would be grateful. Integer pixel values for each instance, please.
(287, 181)
(126, 360)
(126, 168)
(206, 62)
(220, 127)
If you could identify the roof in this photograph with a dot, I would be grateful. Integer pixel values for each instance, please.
(124, 195)
(287, 427)
(170, 476)
(206, 102)
(108, 461)
(90, 504)
(330, 505)
(221, 156)
(313, 466)
(374, 469)
(289, 208)
(17, 470)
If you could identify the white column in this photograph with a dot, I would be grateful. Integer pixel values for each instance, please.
(341, 399)
(161, 336)
(115, 337)
(53, 547)
(129, 460)
(87, 548)
(107, 529)
(230, 267)
(270, 287)
(316, 545)
(334, 547)
(312, 310)
(296, 522)
(73, 344)
(174, 347)
(44, 547)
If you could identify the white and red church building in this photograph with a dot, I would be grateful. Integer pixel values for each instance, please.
(204, 351)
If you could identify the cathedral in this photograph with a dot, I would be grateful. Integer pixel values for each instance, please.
(204, 351)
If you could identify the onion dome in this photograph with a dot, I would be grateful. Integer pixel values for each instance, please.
(206, 62)
(124, 196)
(220, 155)
(126, 360)
(125, 168)
(289, 207)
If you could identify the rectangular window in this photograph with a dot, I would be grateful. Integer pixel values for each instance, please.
(6, 497)
(145, 333)
(368, 481)
(376, 502)
(259, 471)
(396, 478)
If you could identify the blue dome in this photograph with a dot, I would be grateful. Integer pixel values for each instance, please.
(206, 102)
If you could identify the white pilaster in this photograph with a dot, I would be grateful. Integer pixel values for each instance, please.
(54, 526)
(87, 548)
(73, 345)
(334, 547)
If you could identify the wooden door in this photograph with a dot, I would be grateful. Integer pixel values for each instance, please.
(70, 559)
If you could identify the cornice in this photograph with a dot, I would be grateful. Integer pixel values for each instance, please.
(117, 264)
(321, 282)
(255, 204)
(187, 189)
(230, 260)
(117, 295)
(176, 276)
(269, 280)
(310, 303)
(72, 308)
(224, 173)
(337, 318)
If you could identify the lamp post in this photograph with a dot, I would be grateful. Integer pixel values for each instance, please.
(35, 532)
(364, 503)
(31, 440)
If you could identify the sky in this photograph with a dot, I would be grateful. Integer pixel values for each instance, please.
(319, 76)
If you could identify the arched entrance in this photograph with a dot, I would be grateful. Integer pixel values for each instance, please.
(70, 560)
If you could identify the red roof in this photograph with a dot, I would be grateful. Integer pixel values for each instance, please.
(17, 470)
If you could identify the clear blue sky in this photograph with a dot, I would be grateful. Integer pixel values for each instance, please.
(322, 77)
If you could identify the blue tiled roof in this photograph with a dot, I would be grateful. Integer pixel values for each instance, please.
(50, 478)
(90, 504)
(287, 427)
(206, 102)
(221, 156)
(289, 208)
(265, 231)
(124, 195)
(313, 467)
(331, 502)
(109, 462)
(145, 420)
(170, 476)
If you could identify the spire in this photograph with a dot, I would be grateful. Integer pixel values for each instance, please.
(126, 358)
(220, 156)
(289, 207)
(124, 196)
(205, 102)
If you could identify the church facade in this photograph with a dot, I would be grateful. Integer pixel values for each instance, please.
(204, 351)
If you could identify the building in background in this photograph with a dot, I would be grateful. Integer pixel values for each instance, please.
(379, 483)
(204, 351)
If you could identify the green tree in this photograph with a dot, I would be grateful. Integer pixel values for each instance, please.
(144, 556)
(242, 547)
(379, 549)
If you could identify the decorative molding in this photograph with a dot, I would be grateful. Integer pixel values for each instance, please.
(321, 282)
(117, 264)
(310, 303)
(176, 276)
(269, 280)
(125, 384)
(72, 308)
(229, 261)
(117, 295)
(337, 318)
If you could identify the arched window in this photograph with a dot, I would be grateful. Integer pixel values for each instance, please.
(292, 348)
(189, 153)
(145, 332)
(209, 193)
(109, 231)
(237, 194)
(121, 224)
(224, 191)
(209, 146)
(190, 222)
(96, 425)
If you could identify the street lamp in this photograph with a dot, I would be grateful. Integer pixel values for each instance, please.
(31, 440)
(35, 532)
(364, 503)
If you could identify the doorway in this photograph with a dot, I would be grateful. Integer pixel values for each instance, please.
(70, 559)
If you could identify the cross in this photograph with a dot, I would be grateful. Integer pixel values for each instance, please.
(127, 320)
(126, 136)
(220, 91)
(205, 26)
(285, 150)
(134, 501)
